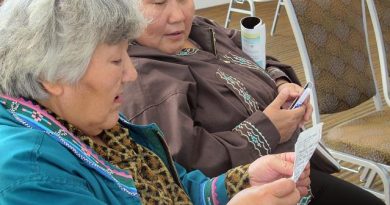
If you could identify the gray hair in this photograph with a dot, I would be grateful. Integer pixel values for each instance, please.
(53, 40)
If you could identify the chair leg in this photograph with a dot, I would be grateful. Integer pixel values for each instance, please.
(370, 180)
(364, 174)
(382, 171)
(252, 7)
(229, 13)
(277, 13)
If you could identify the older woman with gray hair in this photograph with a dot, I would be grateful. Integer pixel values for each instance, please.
(63, 66)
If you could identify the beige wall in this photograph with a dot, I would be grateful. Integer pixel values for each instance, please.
(200, 4)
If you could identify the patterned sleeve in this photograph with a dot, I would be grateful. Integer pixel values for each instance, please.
(260, 132)
(201, 189)
(219, 190)
(237, 179)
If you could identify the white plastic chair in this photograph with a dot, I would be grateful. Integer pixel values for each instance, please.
(251, 11)
(378, 11)
(315, 61)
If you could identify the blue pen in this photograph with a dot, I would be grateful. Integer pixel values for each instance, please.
(301, 99)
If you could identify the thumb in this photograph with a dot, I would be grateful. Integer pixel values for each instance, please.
(282, 187)
(283, 163)
(282, 97)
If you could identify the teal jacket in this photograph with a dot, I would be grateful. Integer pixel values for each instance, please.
(37, 169)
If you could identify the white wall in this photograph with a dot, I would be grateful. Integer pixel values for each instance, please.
(200, 4)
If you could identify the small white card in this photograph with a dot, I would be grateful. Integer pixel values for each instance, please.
(304, 148)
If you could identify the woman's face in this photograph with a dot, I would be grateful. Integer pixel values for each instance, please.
(92, 105)
(170, 25)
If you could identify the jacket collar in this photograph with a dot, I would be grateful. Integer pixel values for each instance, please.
(204, 36)
(151, 137)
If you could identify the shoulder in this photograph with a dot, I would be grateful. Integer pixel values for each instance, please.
(199, 21)
(158, 81)
(202, 21)
(31, 157)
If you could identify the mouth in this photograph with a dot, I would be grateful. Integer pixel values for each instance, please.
(175, 34)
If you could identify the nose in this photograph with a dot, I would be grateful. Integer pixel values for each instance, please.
(176, 13)
(129, 71)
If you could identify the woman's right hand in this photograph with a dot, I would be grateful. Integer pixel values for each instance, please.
(286, 121)
(282, 191)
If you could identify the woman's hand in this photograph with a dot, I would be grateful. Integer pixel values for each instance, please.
(286, 121)
(280, 192)
(295, 90)
(269, 168)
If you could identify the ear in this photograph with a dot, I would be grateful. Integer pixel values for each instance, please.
(54, 89)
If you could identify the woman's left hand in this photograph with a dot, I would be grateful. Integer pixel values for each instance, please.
(296, 90)
(282, 191)
(275, 166)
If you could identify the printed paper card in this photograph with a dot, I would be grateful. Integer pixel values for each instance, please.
(304, 148)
